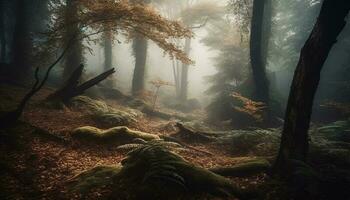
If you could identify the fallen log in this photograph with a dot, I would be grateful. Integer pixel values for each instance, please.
(72, 87)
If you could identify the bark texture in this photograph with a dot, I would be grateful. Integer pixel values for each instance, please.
(72, 87)
(74, 56)
(256, 56)
(140, 46)
(107, 49)
(22, 45)
(2, 32)
(184, 72)
(294, 143)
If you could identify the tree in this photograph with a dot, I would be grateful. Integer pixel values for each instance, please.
(194, 16)
(74, 56)
(256, 56)
(2, 31)
(22, 46)
(231, 65)
(107, 47)
(139, 47)
(119, 17)
(294, 141)
(184, 73)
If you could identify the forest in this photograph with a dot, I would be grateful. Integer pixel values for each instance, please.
(175, 99)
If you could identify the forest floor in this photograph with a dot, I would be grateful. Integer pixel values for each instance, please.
(38, 167)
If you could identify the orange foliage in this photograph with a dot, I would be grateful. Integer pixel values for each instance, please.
(123, 17)
(158, 83)
(250, 107)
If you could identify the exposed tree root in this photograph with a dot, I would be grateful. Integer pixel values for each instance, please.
(245, 169)
(190, 135)
(116, 135)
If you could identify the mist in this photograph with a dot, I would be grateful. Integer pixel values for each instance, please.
(175, 99)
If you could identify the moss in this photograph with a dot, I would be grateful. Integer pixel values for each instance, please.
(97, 177)
(103, 113)
(249, 168)
(116, 135)
(115, 118)
(157, 173)
(89, 105)
(336, 131)
(258, 142)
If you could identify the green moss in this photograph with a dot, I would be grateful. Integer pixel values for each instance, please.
(97, 177)
(116, 135)
(157, 173)
(89, 105)
(249, 168)
(103, 113)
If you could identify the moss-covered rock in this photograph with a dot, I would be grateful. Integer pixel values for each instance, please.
(89, 105)
(156, 173)
(116, 135)
(152, 172)
(336, 131)
(103, 113)
(261, 142)
(97, 177)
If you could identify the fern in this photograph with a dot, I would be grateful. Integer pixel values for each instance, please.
(160, 162)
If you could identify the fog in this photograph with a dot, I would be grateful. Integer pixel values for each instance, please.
(289, 31)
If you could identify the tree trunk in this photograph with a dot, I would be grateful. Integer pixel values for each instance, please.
(22, 46)
(294, 143)
(2, 32)
(184, 72)
(256, 56)
(72, 87)
(74, 56)
(107, 49)
(140, 45)
(266, 34)
(41, 14)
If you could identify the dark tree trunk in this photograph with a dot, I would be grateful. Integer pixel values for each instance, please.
(22, 46)
(294, 143)
(140, 45)
(74, 56)
(256, 56)
(41, 13)
(72, 87)
(107, 49)
(266, 34)
(184, 72)
(2, 32)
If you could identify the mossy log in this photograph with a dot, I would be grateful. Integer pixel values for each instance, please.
(245, 169)
(116, 135)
